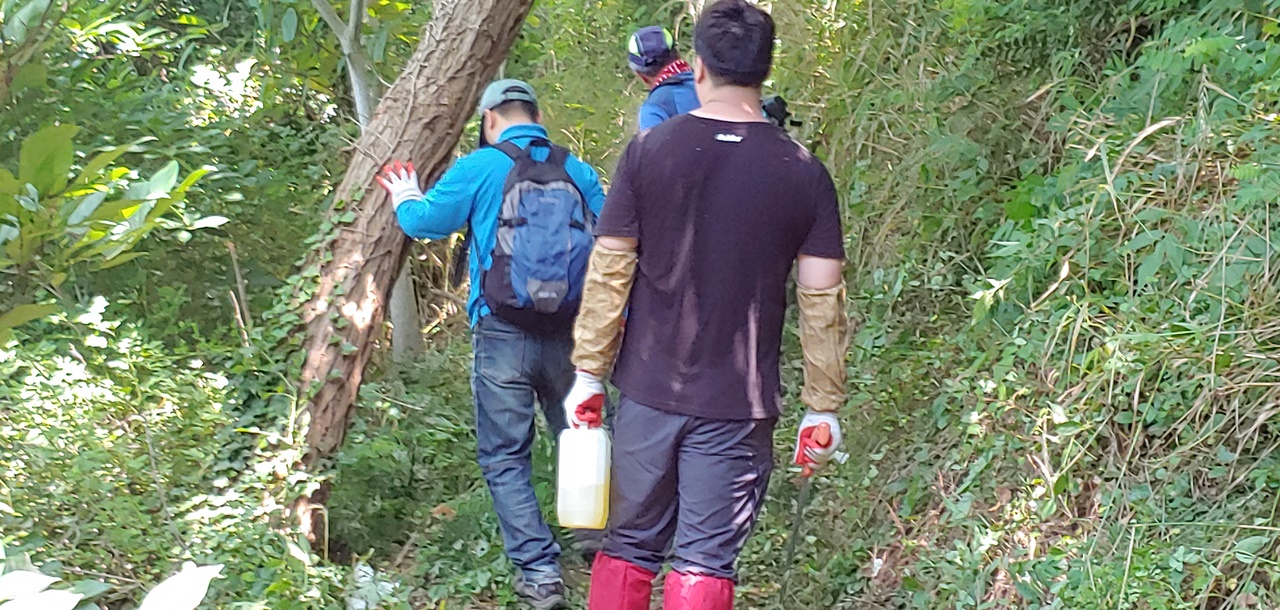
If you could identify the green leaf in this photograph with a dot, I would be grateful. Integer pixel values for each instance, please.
(30, 76)
(192, 178)
(1246, 550)
(53, 599)
(20, 561)
(23, 583)
(8, 184)
(45, 158)
(289, 26)
(1151, 264)
(100, 161)
(113, 210)
(86, 207)
(1027, 591)
(378, 47)
(160, 208)
(25, 313)
(209, 222)
(90, 588)
(17, 25)
(164, 180)
(1019, 209)
(182, 591)
(1144, 239)
(120, 260)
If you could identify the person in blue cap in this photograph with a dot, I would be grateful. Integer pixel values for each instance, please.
(652, 55)
(529, 206)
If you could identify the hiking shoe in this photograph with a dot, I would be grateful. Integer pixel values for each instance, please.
(542, 597)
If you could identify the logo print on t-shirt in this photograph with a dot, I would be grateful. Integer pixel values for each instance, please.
(729, 137)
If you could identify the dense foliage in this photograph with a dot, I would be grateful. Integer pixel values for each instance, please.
(1063, 268)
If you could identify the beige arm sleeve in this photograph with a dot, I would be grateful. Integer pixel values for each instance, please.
(597, 334)
(824, 337)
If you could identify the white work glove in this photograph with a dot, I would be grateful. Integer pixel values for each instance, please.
(401, 182)
(811, 450)
(584, 405)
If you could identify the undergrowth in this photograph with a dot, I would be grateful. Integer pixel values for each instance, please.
(1063, 379)
(1063, 261)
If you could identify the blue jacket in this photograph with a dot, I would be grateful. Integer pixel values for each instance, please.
(470, 192)
(674, 96)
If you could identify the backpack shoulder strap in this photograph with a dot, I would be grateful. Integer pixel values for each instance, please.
(558, 156)
(510, 150)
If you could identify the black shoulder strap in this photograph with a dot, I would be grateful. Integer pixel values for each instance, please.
(558, 156)
(510, 150)
(515, 152)
(460, 254)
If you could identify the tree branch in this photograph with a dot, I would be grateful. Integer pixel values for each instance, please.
(364, 81)
(335, 22)
(355, 18)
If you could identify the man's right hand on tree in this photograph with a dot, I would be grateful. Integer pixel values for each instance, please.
(584, 406)
(401, 182)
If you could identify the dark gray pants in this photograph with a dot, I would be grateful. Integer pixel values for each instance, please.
(699, 481)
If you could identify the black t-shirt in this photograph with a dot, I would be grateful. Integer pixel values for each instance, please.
(720, 210)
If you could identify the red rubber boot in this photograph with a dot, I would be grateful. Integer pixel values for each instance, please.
(619, 585)
(697, 592)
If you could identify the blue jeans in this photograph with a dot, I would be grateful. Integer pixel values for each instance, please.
(514, 369)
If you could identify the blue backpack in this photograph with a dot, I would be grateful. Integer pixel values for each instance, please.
(543, 242)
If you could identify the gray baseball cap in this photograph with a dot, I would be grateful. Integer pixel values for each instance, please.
(506, 90)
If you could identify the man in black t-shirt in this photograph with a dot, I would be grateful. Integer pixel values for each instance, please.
(707, 215)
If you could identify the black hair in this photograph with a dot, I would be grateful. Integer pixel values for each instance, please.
(734, 39)
(515, 109)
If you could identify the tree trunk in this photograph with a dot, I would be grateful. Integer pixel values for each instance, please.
(406, 319)
(421, 117)
(406, 331)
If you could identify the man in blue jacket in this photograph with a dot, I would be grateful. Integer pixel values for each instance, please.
(514, 367)
(652, 56)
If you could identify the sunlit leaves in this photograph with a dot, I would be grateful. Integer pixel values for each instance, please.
(45, 600)
(182, 591)
(29, 590)
(50, 226)
(22, 583)
(209, 222)
(46, 158)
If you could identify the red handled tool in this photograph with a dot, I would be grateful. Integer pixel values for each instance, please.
(818, 437)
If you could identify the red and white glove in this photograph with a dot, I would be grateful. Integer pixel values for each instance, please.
(584, 405)
(401, 182)
(818, 440)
